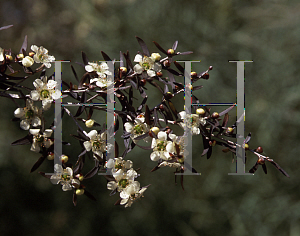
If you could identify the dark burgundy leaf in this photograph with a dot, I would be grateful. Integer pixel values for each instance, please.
(179, 67)
(160, 48)
(74, 198)
(74, 72)
(84, 58)
(264, 168)
(89, 195)
(24, 46)
(278, 167)
(105, 56)
(147, 115)
(23, 141)
(38, 163)
(143, 46)
(254, 168)
(92, 172)
(174, 47)
(226, 111)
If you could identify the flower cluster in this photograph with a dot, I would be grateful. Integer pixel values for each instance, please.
(132, 122)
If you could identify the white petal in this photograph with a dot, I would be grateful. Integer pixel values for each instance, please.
(46, 104)
(24, 124)
(70, 171)
(89, 68)
(87, 145)
(56, 95)
(34, 131)
(154, 156)
(170, 147)
(92, 134)
(138, 69)
(182, 115)
(34, 48)
(34, 95)
(51, 84)
(128, 127)
(58, 169)
(153, 144)
(162, 135)
(140, 120)
(112, 185)
(47, 143)
(48, 132)
(66, 187)
(19, 112)
(35, 147)
(151, 73)
(172, 137)
(36, 121)
(38, 83)
(110, 163)
(138, 58)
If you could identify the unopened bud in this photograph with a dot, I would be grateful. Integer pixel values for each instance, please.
(215, 115)
(159, 73)
(79, 191)
(27, 61)
(64, 158)
(89, 123)
(166, 63)
(156, 56)
(155, 130)
(168, 95)
(31, 54)
(8, 57)
(170, 51)
(80, 177)
(50, 156)
(20, 56)
(200, 111)
(194, 74)
(229, 130)
(123, 69)
(259, 149)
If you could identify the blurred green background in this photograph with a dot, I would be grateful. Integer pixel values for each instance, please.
(212, 204)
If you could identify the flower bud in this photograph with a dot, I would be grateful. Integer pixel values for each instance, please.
(20, 56)
(215, 115)
(123, 69)
(161, 107)
(194, 74)
(50, 156)
(8, 57)
(27, 61)
(64, 158)
(159, 73)
(155, 130)
(261, 161)
(80, 177)
(143, 82)
(79, 191)
(210, 68)
(229, 130)
(246, 146)
(168, 95)
(259, 149)
(31, 54)
(89, 123)
(156, 56)
(166, 63)
(212, 143)
(171, 51)
(200, 111)
(205, 76)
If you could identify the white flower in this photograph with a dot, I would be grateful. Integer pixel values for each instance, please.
(102, 70)
(132, 193)
(117, 164)
(196, 120)
(40, 140)
(64, 177)
(97, 143)
(27, 61)
(102, 83)
(29, 115)
(156, 56)
(41, 56)
(162, 147)
(1, 54)
(139, 127)
(146, 64)
(45, 91)
(122, 179)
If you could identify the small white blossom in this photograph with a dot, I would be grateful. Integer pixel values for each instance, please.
(117, 164)
(40, 140)
(147, 64)
(162, 147)
(45, 91)
(29, 115)
(64, 177)
(97, 143)
(102, 71)
(131, 194)
(27, 61)
(196, 120)
(122, 179)
(41, 56)
(139, 127)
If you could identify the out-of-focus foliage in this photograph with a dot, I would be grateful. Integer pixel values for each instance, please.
(214, 203)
